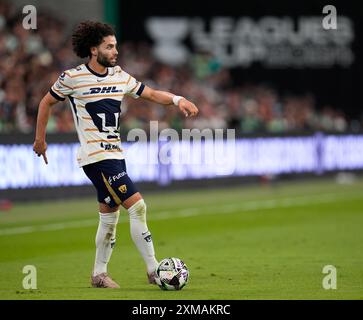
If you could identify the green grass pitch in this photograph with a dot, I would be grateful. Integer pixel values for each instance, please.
(256, 242)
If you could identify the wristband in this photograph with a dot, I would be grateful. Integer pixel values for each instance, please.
(176, 99)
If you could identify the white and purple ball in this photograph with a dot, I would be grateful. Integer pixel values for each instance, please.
(172, 274)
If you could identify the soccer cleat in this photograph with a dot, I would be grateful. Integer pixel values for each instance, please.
(102, 280)
(151, 277)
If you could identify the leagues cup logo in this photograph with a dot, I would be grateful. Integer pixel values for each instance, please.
(272, 41)
(168, 34)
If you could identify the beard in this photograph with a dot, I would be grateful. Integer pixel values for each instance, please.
(104, 61)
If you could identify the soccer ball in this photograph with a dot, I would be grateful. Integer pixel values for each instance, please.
(172, 274)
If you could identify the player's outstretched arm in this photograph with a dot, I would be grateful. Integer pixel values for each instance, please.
(167, 98)
(40, 146)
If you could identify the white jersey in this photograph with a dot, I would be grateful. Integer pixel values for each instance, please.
(95, 101)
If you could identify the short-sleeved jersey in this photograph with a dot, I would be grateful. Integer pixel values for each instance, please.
(95, 100)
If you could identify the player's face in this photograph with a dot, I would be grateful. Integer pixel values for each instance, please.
(107, 52)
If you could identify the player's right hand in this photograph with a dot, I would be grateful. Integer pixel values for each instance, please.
(188, 108)
(40, 148)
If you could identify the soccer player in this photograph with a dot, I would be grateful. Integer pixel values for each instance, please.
(95, 91)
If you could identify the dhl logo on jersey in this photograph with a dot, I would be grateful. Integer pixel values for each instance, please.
(102, 90)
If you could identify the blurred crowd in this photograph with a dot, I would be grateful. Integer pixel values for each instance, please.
(31, 60)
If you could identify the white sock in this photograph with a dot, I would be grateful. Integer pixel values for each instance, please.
(141, 235)
(105, 240)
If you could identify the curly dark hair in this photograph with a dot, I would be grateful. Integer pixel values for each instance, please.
(89, 34)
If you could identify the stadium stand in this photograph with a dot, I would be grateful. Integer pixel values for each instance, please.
(31, 62)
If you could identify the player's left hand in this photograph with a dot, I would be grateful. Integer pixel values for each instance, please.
(188, 108)
(40, 148)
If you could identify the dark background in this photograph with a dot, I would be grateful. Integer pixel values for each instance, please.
(337, 86)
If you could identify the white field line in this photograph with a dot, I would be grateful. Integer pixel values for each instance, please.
(255, 205)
